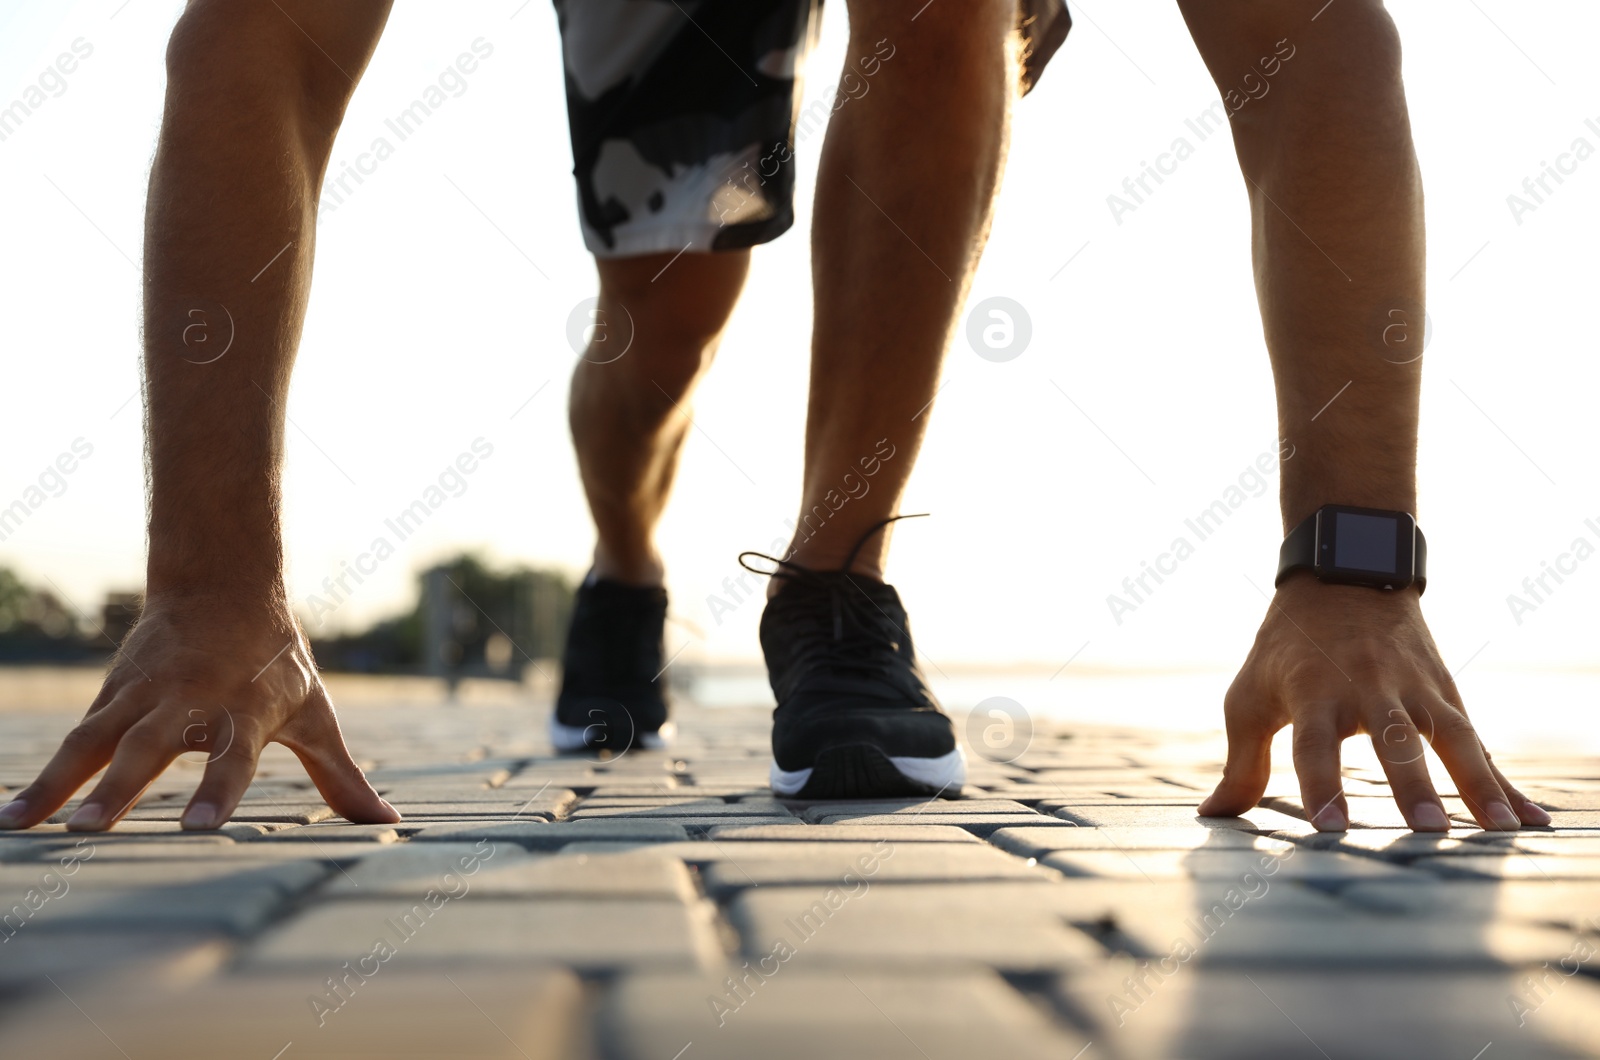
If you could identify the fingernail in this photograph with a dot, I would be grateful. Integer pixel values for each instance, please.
(1502, 817)
(201, 815)
(88, 816)
(12, 812)
(1429, 817)
(1534, 811)
(1331, 819)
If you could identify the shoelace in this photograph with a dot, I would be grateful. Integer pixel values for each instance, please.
(835, 601)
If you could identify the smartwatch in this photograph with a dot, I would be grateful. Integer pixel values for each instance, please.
(1357, 546)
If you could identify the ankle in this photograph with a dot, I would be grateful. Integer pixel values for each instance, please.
(817, 559)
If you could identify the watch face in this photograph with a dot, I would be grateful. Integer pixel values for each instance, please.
(1366, 547)
(1364, 542)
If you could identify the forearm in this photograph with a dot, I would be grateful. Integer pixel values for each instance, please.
(221, 327)
(1319, 119)
(1346, 339)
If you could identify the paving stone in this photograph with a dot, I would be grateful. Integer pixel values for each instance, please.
(459, 793)
(540, 836)
(485, 870)
(896, 1016)
(618, 898)
(1319, 866)
(99, 874)
(1227, 936)
(816, 833)
(335, 833)
(1030, 842)
(1569, 841)
(1514, 866)
(699, 808)
(1565, 819)
(235, 911)
(1368, 811)
(706, 824)
(1554, 799)
(885, 925)
(1049, 800)
(1258, 819)
(1398, 844)
(153, 852)
(827, 812)
(238, 903)
(667, 786)
(468, 775)
(587, 936)
(979, 824)
(1167, 909)
(545, 807)
(596, 802)
(846, 863)
(28, 956)
(499, 1014)
(1371, 1013)
(258, 810)
(145, 830)
(1575, 905)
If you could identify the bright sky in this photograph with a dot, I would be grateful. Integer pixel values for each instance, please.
(1142, 396)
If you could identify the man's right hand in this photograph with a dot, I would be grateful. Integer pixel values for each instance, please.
(199, 673)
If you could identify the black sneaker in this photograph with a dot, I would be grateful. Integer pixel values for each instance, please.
(855, 719)
(611, 694)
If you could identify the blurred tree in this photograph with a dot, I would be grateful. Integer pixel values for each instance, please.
(469, 620)
(35, 625)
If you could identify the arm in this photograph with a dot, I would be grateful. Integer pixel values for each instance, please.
(1324, 141)
(217, 661)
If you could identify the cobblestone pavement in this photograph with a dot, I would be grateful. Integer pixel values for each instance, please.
(663, 906)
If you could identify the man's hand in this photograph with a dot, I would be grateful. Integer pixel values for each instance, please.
(1336, 660)
(200, 674)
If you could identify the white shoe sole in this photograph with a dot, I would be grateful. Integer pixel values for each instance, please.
(576, 737)
(945, 772)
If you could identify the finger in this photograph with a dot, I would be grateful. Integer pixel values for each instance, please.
(1316, 763)
(1400, 748)
(145, 749)
(1529, 811)
(83, 752)
(1245, 775)
(315, 739)
(229, 771)
(1458, 747)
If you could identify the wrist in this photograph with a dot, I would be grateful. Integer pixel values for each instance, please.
(178, 582)
(1304, 585)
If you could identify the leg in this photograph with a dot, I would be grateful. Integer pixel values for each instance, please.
(897, 235)
(627, 417)
(1336, 202)
(255, 93)
(656, 328)
(904, 199)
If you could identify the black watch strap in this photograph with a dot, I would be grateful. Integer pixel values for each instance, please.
(1301, 551)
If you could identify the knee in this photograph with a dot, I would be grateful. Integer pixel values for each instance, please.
(1349, 54)
(1287, 81)
(677, 308)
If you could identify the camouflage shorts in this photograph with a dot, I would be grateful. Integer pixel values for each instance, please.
(683, 115)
